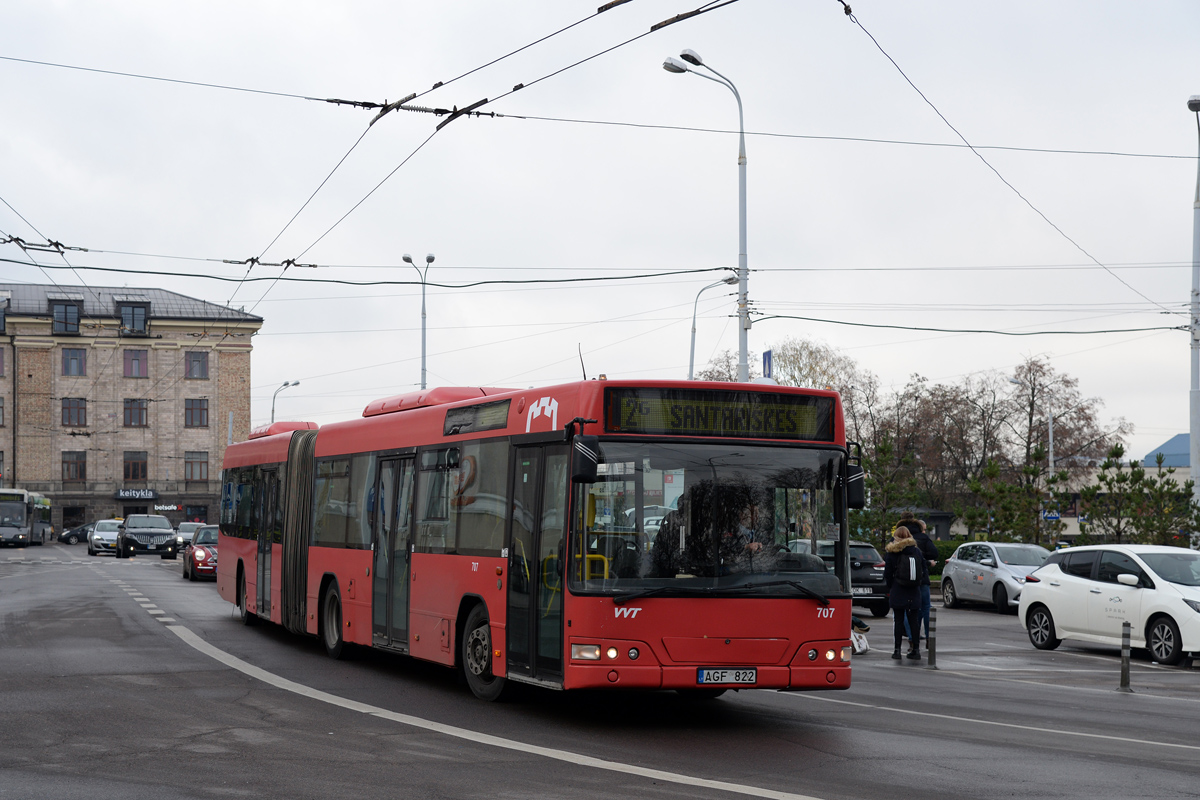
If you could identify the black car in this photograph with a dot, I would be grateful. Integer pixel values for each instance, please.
(76, 535)
(146, 533)
(866, 574)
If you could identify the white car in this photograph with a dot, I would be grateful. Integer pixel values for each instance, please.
(103, 538)
(990, 572)
(1086, 593)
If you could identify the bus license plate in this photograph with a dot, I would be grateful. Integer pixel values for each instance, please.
(749, 675)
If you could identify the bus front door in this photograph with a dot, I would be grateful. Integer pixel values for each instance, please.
(535, 568)
(389, 601)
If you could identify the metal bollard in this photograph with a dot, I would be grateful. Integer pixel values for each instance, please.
(1124, 687)
(931, 643)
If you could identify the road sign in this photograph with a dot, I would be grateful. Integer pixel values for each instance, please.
(767, 364)
(1051, 515)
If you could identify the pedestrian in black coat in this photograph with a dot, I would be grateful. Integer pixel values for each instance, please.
(925, 544)
(905, 600)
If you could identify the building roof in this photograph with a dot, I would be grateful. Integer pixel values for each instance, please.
(101, 301)
(1176, 452)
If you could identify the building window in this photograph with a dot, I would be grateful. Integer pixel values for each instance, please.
(66, 317)
(195, 413)
(74, 361)
(1, 353)
(136, 413)
(1, 426)
(74, 412)
(135, 465)
(197, 365)
(135, 364)
(195, 466)
(133, 319)
(74, 465)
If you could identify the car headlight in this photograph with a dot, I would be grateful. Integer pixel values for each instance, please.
(1020, 579)
(1194, 605)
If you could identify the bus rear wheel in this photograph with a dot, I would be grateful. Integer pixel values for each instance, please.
(331, 623)
(248, 617)
(477, 657)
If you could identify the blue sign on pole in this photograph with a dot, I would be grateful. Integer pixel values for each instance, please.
(1051, 515)
(766, 363)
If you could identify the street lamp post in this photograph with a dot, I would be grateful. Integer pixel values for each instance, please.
(428, 261)
(1194, 397)
(285, 385)
(676, 66)
(729, 281)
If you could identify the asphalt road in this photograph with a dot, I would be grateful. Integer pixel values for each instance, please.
(120, 680)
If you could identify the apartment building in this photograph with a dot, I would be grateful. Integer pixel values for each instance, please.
(118, 401)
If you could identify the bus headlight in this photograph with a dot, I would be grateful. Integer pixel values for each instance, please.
(585, 652)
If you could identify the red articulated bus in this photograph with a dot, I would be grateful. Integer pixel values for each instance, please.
(632, 535)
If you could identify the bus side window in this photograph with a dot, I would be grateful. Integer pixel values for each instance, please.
(435, 531)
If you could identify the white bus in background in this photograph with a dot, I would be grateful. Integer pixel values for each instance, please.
(24, 518)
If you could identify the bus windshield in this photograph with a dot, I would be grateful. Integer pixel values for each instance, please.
(12, 513)
(669, 517)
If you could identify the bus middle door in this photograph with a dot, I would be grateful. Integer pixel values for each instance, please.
(267, 526)
(392, 543)
(535, 568)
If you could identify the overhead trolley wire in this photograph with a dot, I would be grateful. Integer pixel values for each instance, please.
(987, 163)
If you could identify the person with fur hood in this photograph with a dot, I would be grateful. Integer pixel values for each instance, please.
(904, 571)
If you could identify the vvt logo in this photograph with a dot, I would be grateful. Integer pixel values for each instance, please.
(625, 611)
(547, 406)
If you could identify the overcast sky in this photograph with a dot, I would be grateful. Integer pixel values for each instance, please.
(891, 231)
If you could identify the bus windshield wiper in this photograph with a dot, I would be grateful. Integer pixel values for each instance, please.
(800, 587)
(657, 590)
(625, 598)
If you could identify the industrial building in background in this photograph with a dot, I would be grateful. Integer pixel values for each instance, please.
(118, 401)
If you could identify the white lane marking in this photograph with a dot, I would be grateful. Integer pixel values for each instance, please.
(472, 736)
(1055, 731)
(155, 611)
(165, 619)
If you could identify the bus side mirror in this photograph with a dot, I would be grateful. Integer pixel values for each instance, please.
(585, 458)
(856, 486)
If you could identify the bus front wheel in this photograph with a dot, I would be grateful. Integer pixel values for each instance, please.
(477, 657)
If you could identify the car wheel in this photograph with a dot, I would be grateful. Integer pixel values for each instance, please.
(248, 617)
(1041, 629)
(477, 657)
(183, 572)
(949, 595)
(1164, 642)
(91, 552)
(1000, 598)
(191, 570)
(331, 623)
(879, 609)
(72, 539)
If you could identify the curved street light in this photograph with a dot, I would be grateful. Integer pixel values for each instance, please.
(428, 261)
(285, 385)
(727, 281)
(674, 65)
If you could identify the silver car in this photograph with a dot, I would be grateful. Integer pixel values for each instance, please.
(103, 538)
(990, 572)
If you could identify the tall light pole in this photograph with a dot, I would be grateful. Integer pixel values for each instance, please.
(285, 385)
(676, 66)
(428, 261)
(1194, 396)
(729, 281)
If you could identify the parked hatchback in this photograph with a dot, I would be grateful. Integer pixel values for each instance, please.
(990, 572)
(146, 533)
(1087, 593)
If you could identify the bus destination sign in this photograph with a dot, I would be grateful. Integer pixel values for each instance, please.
(709, 412)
